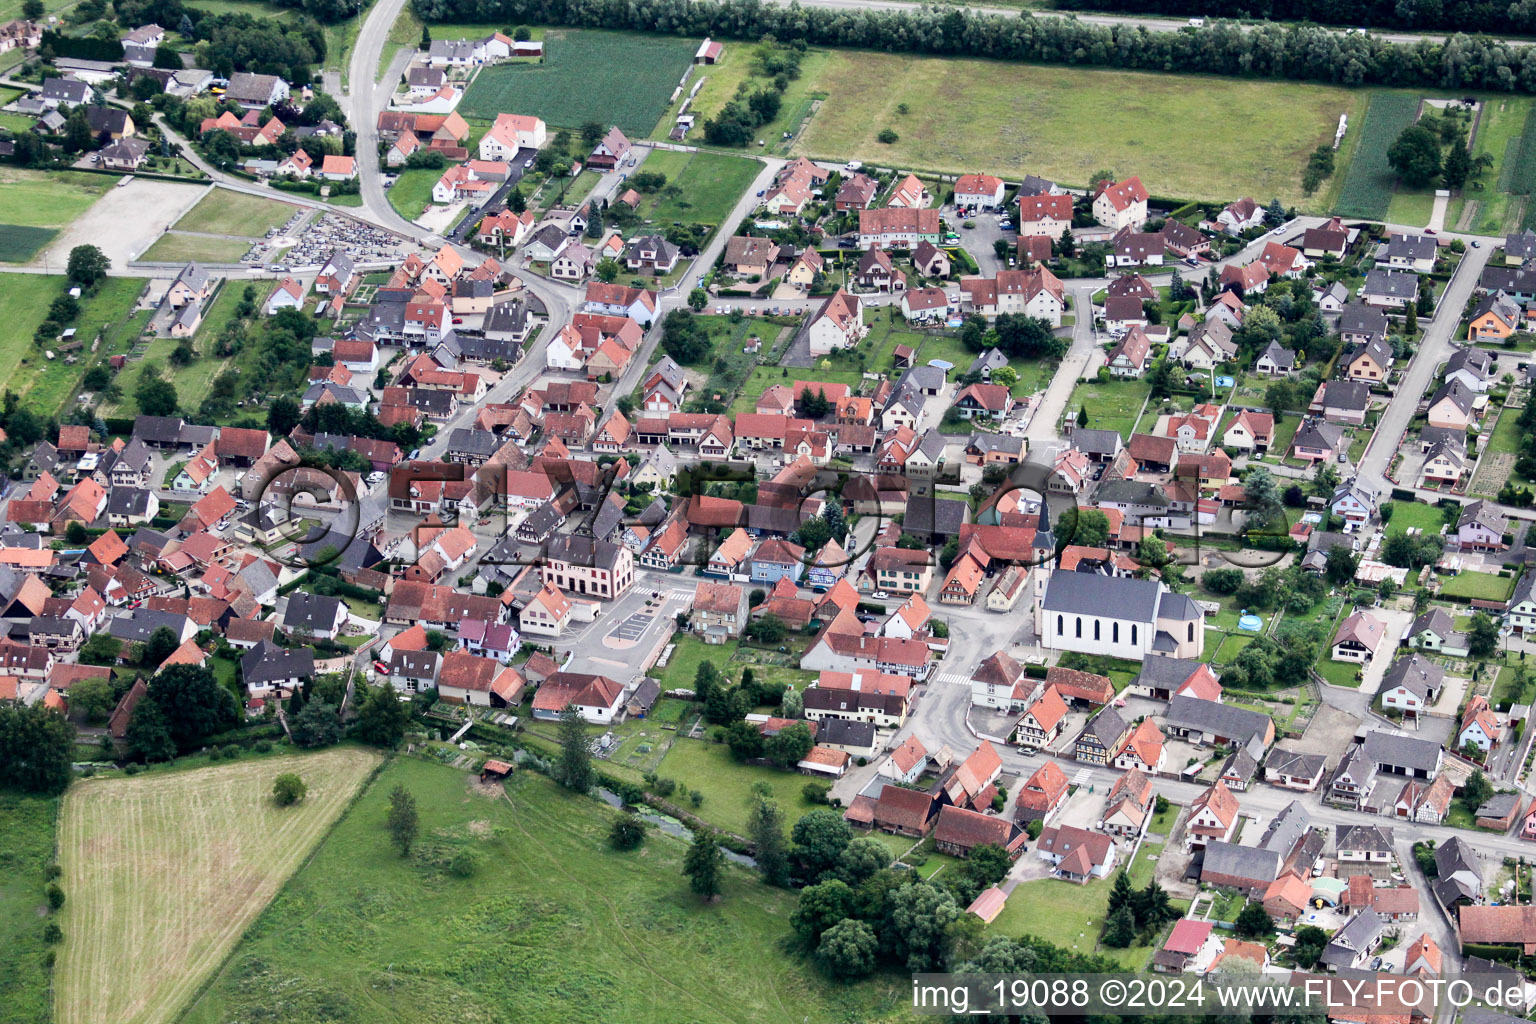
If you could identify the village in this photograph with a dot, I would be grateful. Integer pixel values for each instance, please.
(1151, 576)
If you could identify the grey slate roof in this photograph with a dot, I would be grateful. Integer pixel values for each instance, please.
(1092, 594)
(1363, 838)
(1165, 673)
(1414, 672)
(310, 611)
(1286, 829)
(1358, 318)
(1347, 395)
(1460, 395)
(1106, 726)
(1248, 862)
(1359, 935)
(267, 662)
(1295, 763)
(143, 621)
(1096, 442)
(1319, 435)
(1401, 751)
(1196, 715)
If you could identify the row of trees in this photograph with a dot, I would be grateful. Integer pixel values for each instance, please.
(1304, 52)
(1459, 15)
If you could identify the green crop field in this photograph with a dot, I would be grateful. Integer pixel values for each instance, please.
(1369, 181)
(553, 926)
(223, 212)
(1065, 123)
(165, 872)
(625, 79)
(174, 247)
(34, 205)
(26, 848)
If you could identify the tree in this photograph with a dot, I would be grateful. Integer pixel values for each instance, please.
(1310, 943)
(36, 748)
(162, 643)
(821, 906)
(765, 827)
(862, 859)
(32, 10)
(1152, 906)
(156, 396)
(767, 629)
(706, 679)
(607, 271)
(592, 133)
(1122, 893)
(627, 832)
(1274, 213)
(1477, 790)
(1279, 397)
(92, 698)
(1088, 527)
(194, 704)
(1120, 929)
(426, 39)
(702, 865)
(288, 789)
(402, 820)
(1458, 165)
(515, 201)
(918, 917)
(1264, 507)
(1253, 921)
(149, 732)
(381, 716)
(1411, 321)
(1082, 416)
(77, 132)
(1415, 156)
(573, 768)
(698, 298)
(790, 745)
(1483, 637)
(316, 725)
(87, 265)
(820, 837)
(1341, 565)
(1007, 376)
(283, 415)
(848, 949)
(1222, 581)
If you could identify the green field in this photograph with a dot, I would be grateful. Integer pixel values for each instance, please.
(1479, 586)
(614, 78)
(1071, 916)
(1111, 406)
(738, 68)
(165, 872)
(34, 205)
(173, 247)
(24, 302)
(26, 848)
(727, 786)
(224, 212)
(1369, 182)
(1500, 134)
(702, 188)
(412, 191)
(1339, 673)
(1065, 123)
(554, 926)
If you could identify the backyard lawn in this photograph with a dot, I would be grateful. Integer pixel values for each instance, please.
(687, 654)
(727, 786)
(1415, 514)
(1112, 406)
(1071, 916)
(1478, 586)
(1339, 673)
(224, 212)
(412, 191)
(702, 188)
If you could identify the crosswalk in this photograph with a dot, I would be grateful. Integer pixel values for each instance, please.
(956, 678)
(1082, 777)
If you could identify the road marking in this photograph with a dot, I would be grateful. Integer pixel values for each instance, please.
(1083, 777)
(955, 678)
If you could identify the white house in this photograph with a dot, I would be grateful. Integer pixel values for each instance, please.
(1120, 205)
(839, 324)
(512, 132)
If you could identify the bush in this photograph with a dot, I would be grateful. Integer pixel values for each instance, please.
(55, 895)
(262, 746)
(816, 792)
(52, 933)
(627, 832)
(463, 863)
(288, 789)
(132, 769)
(887, 136)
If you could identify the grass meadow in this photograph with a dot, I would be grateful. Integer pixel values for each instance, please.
(34, 205)
(1065, 123)
(175, 247)
(46, 384)
(553, 926)
(223, 212)
(164, 872)
(614, 78)
(26, 848)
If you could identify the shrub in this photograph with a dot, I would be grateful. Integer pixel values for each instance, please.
(627, 832)
(463, 863)
(288, 789)
(263, 746)
(132, 769)
(55, 895)
(816, 792)
(887, 136)
(52, 933)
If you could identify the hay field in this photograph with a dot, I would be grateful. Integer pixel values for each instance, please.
(164, 872)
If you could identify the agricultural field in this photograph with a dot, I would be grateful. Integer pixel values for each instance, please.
(702, 188)
(1025, 119)
(613, 78)
(175, 247)
(225, 212)
(34, 205)
(552, 926)
(1493, 205)
(26, 849)
(1368, 181)
(158, 933)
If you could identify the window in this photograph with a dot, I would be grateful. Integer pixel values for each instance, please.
(1133, 633)
(1191, 632)
(1079, 627)
(1061, 625)
(1095, 629)
(1114, 632)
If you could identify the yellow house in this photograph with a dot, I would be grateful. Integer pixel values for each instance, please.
(805, 268)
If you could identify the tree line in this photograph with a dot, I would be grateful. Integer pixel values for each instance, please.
(1467, 16)
(1300, 52)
